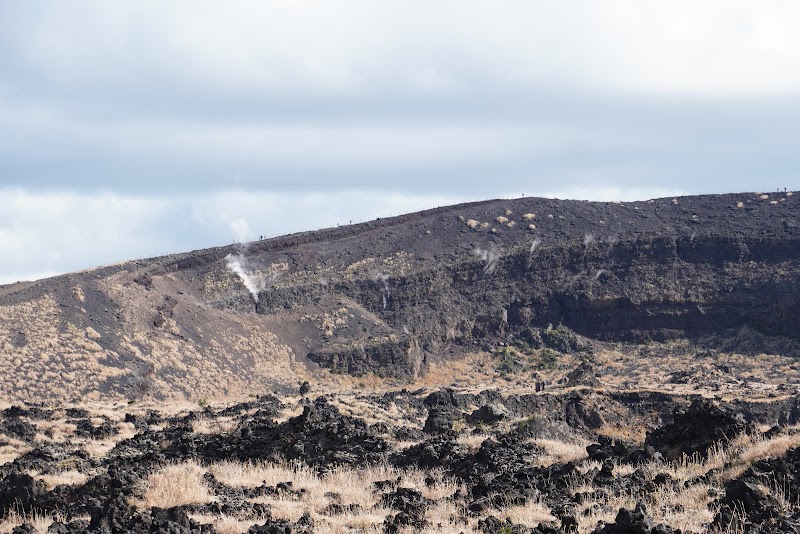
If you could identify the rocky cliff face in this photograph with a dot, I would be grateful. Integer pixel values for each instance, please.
(614, 289)
(387, 295)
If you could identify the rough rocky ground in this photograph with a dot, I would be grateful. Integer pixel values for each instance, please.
(428, 460)
(524, 365)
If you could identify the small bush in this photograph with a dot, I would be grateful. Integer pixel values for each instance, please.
(547, 359)
(508, 361)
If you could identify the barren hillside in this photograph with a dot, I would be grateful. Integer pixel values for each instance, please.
(414, 297)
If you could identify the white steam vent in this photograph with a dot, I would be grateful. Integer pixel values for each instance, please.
(253, 281)
(491, 258)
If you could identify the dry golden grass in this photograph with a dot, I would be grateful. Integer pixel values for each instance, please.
(350, 486)
(342, 486)
(293, 409)
(626, 433)
(530, 514)
(735, 457)
(415, 478)
(687, 508)
(175, 485)
(769, 448)
(40, 521)
(605, 510)
(472, 441)
(391, 415)
(13, 450)
(69, 478)
(561, 452)
(100, 448)
(689, 467)
(58, 430)
(724, 375)
(252, 475)
(444, 517)
(205, 425)
(782, 492)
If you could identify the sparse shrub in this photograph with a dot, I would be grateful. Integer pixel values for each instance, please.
(523, 424)
(508, 361)
(565, 341)
(547, 359)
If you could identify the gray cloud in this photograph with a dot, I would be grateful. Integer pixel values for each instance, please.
(700, 146)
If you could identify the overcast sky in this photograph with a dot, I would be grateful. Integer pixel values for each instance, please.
(137, 128)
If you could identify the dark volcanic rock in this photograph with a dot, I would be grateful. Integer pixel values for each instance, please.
(320, 436)
(488, 414)
(564, 340)
(746, 506)
(20, 492)
(447, 398)
(18, 428)
(696, 429)
(634, 521)
(607, 448)
(31, 412)
(272, 526)
(501, 473)
(438, 451)
(744, 500)
(492, 525)
(86, 429)
(116, 516)
(440, 420)
(583, 375)
(400, 358)
(579, 415)
(406, 500)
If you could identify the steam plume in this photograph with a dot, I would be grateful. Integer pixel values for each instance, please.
(253, 281)
(534, 246)
(491, 258)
